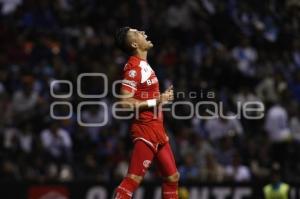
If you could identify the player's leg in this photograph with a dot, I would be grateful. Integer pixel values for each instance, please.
(141, 158)
(167, 167)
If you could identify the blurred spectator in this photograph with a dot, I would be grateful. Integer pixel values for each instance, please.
(246, 56)
(189, 170)
(237, 171)
(202, 149)
(9, 171)
(225, 151)
(221, 127)
(25, 100)
(276, 188)
(93, 117)
(276, 124)
(295, 86)
(277, 127)
(295, 125)
(56, 143)
(270, 88)
(211, 171)
(9, 6)
(26, 138)
(121, 170)
(179, 15)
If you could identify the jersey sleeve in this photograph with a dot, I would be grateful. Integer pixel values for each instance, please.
(131, 79)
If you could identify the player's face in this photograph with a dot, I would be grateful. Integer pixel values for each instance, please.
(138, 40)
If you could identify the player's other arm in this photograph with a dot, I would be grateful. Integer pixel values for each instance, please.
(128, 101)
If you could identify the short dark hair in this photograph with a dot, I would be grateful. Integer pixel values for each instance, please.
(121, 39)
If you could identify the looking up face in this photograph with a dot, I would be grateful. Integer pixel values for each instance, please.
(138, 40)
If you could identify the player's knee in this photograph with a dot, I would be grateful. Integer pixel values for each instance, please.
(173, 178)
(136, 178)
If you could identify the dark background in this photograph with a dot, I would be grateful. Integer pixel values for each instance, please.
(240, 50)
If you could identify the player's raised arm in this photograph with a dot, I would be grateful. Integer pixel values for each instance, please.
(128, 101)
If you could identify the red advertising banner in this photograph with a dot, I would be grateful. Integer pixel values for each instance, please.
(48, 192)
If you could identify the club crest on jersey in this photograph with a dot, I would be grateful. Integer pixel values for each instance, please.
(132, 73)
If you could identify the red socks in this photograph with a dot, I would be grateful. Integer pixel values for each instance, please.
(126, 189)
(170, 190)
(128, 186)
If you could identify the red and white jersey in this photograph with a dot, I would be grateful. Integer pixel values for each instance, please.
(140, 79)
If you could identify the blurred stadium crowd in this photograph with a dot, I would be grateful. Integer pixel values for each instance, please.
(239, 50)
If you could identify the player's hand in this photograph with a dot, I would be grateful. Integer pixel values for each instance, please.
(167, 96)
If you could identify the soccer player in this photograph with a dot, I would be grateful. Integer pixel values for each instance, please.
(140, 89)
